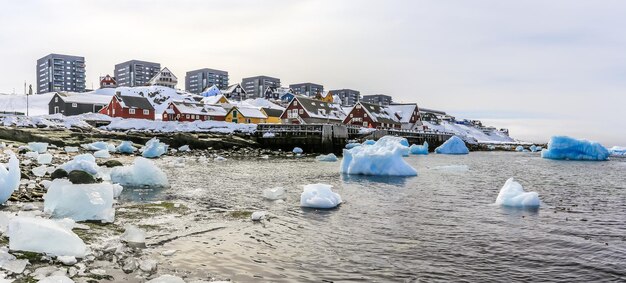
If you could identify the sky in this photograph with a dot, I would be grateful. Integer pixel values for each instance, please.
(540, 68)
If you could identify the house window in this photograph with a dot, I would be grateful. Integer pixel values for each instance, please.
(248, 120)
(301, 112)
(131, 111)
(56, 99)
(351, 115)
(187, 116)
(364, 124)
(146, 112)
(235, 114)
(113, 111)
(365, 115)
(164, 115)
(295, 103)
(74, 105)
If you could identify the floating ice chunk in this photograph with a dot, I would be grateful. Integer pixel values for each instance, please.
(384, 158)
(274, 193)
(258, 215)
(80, 202)
(512, 194)
(40, 171)
(269, 135)
(126, 147)
(618, 151)
(352, 145)
(184, 148)
(99, 145)
(39, 147)
(453, 145)
(219, 158)
(56, 279)
(69, 149)
(327, 158)
(419, 149)
(9, 177)
(84, 162)
(297, 150)
(102, 154)
(369, 142)
(44, 236)
(519, 148)
(45, 158)
(153, 148)
(319, 196)
(533, 148)
(135, 235)
(562, 147)
(142, 173)
(167, 279)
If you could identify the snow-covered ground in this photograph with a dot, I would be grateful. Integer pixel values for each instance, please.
(471, 134)
(37, 103)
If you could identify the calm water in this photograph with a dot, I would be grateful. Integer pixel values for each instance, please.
(438, 226)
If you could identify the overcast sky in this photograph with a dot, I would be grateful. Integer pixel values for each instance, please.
(540, 68)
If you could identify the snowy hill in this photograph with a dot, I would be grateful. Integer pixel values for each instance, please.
(471, 134)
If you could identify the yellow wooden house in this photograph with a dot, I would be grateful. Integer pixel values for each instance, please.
(246, 115)
(326, 96)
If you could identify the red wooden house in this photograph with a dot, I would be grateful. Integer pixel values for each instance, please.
(191, 111)
(372, 116)
(305, 110)
(137, 107)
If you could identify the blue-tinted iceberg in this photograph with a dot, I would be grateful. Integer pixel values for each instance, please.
(512, 194)
(9, 177)
(126, 147)
(80, 202)
(419, 149)
(142, 173)
(153, 148)
(327, 158)
(618, 151)
(519, 148)
(297, 150)
(319, 196)
(567, 148)
(369, 142)
(453, 145)
(100, 145)
(352, 145)
(533, 148)
(383, 158)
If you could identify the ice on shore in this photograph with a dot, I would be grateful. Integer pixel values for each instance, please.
(319, 196)
(258, 215)
(153, 148)
(184, 148)
(533, 148)
(102, 154)
(84, 162)
(126, 147)
(327, 158)
(39, 147)
(44, 236)
(132, 234)
(167, 279)
(453, 145)
(219, 158)
(40, 171)
(69, 149)
(45, 158)
(99, 145)
(512, 194)
(80, 202)
(567, 148)
(56, 279)
(274, 193)
(419, 149)
(9, 177)
(618, 151)
(142, 172)
(383, 158)
(297, 150)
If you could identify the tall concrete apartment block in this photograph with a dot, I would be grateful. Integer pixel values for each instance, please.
(378, 99)
(256, 86)
(57, 72)
(196, 81)
(349, 97)
(308, 89)
(135, 72)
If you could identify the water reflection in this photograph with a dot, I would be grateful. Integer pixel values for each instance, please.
(143, 194)
(398, 181)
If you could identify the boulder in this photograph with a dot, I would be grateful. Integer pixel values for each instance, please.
(81, 177)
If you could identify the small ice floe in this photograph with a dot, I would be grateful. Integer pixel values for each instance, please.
(99, 145)
(45, 158)
(519, 148)
(166, 279)
(269, 135)
(512, 194)
(142, 173)
(83, 162)
(265, 156)
(67, 260)
(70, 149)
(274, 193)
(184, 148)
(219, 158)
(32, 155)
(39, 147)
(9, 177)
(453, 145)
(153, 148)
(297, 150)
(327, 158)
(491, 147)
(80, 202)
(126, 147)
(566, 148)
(44, 236)
(383, 158)
(258, 215)
(319, 196)
(617, 151)
(133, 234)
(102, 154)
(419, 149)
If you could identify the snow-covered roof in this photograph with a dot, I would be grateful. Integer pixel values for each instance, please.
(379, 113)
(85, 98)
(231, 88)
(140, 102)
(198, 108)
(212, 100)
(322, 110)
(262, 102)
(403, 112)
(250, 112)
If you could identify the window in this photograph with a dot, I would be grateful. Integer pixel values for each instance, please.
(131, 111)
(351, 115)
(74, 105)
(295, 103)
(364, 124)
(365, 115)
(164, 115)
(113, 111)
(248, 120)
(56, 99)
(187, 116)
(235, 114)
(301, 111)
(146, 112)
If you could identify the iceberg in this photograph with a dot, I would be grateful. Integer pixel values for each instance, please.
(512, 194)
(369, 142)
(618, 151)
(297, 150)
(80, 202)
(384, 158)
(45, 158)
(142, 172)
(327, 158)
(99, 145)
(40, 171)
(533, 148)
(419, 149)
(269, 135)
(453, 145)
(9, 177)
(84, 162)
(102, 154)
(39, 147)
(319, 196)
(44, 236)
(567, 148)
(153, 148)
(519, 148)
(126, 147)
(274, 193)
(352, 145)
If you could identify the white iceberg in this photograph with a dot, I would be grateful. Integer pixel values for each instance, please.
(512, 194)
(274, 193)
(102, 154)
(618, 151)
(9, 177)
(153, 148)
(219, 158)
(32, 155)
(383, 158)
(44, 236)
(80, 202)
(84, 162)
(567, 148)
(126, 147)
(39, 147)
(184, 148)
(269, 135)
(99, 145)
(327, 158)
(319, 196)
(419, 149)
(297, 150)
(453, 145)
(45, 158)
(142, 172)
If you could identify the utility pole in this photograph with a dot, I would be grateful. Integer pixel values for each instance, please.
(30, 92)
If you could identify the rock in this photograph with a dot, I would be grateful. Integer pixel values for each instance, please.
(112, 163)
(148, 265)
(81, 177)
(23, 150)
(130, 265)
(59, 173)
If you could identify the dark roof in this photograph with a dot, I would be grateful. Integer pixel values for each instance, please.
(135, 102)
(313, 106)
(273, 112)
(379, 112)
